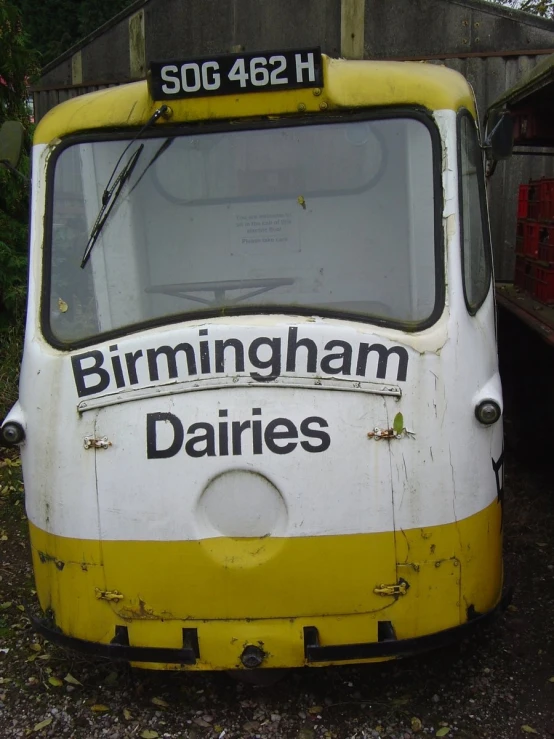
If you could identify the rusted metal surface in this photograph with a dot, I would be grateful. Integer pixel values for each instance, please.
(109, 595)
(90, 442)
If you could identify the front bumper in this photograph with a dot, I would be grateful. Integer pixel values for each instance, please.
(315, 653)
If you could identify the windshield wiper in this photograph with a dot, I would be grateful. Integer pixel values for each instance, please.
(111, 192)
(166, 144)
(109, 198)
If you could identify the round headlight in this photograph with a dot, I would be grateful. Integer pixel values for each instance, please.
(12, 433)
(488, 412)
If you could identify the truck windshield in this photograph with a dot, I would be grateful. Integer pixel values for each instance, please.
(333, 219)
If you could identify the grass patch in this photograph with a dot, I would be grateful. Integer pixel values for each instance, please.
(12, 510)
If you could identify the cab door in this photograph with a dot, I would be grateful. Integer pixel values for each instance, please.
(251, 502)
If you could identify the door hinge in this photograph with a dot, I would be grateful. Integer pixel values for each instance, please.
(112, 595)
(91, 442)
(399, 588)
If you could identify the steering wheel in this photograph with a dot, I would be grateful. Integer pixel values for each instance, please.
(220, 288)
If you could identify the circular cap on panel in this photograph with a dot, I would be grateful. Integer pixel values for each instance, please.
(241, 504)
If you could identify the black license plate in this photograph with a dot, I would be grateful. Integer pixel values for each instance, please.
(232, 74)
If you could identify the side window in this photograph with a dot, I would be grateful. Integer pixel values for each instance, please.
(476, 260)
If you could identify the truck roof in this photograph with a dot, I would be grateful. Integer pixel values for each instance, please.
(348, 85)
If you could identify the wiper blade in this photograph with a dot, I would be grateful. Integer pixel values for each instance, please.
(109, 199)
(166, 144)
(111, 192)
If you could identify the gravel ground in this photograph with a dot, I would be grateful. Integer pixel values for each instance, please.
(497, 685)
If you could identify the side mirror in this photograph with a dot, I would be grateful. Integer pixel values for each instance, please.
(500, 140)
(11, 143)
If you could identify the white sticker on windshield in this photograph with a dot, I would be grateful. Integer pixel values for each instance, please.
(259, 233)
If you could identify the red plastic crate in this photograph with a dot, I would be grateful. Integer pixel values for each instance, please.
(546, 253)
(524, 276)
(523, 201)
(546, 243)
(546, 197)
(533, 201)
(531, 239)
(544, 284)
(541, 192)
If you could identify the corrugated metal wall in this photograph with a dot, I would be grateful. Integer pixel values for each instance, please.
(468, 32)
(48, 98)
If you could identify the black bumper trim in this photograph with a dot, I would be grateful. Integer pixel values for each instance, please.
(315, 652)
(118, 651)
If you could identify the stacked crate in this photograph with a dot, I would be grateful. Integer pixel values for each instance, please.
(534, 270)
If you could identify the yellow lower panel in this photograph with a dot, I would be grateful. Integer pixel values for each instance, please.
(234, 596)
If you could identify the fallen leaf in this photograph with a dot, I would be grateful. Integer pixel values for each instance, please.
(512, 608)
(99, 708)
(160, 702)
(149, 734)
(315, 709)
(416, 724)
(21, 608)
(127, 715)
(55, 681)
(42, 724)
(6, 605)
(551, 679)
(443, 732)
(35, 647)
(529, 729)
(112, 678)
(71, 680)
(398, 424)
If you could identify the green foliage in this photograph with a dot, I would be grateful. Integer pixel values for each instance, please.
(11, 347)
(544, 8)
(55, 26)
(17, 66)
(14, 62)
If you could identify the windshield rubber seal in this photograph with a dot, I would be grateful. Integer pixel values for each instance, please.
(383, 113)
(464, 114)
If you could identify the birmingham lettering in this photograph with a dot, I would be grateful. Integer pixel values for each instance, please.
(267, 358)
(165, 436)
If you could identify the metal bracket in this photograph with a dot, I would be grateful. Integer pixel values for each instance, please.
(399, 588)
(378, 433)
(110, 595)
(91, 442)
